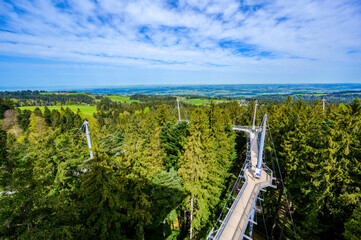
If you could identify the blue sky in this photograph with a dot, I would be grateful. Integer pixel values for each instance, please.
(86, 43)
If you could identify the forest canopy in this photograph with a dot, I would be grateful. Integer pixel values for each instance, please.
(153, 177)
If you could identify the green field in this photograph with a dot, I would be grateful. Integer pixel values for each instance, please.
(199, 101)
(118, 98)
(84, 109)
(52, 93)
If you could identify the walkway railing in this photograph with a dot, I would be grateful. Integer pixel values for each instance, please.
(234, 195)
(243, 127)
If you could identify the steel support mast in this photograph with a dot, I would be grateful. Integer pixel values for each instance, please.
(254, 114)
(179, 117)
(85, 124)
(257, 171)
(323, 104)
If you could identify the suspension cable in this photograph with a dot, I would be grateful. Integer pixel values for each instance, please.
(233, 191)
(71, 139)
(284, 189)
(265, 224)
(283, 186)
(185, 111)
(273, 165)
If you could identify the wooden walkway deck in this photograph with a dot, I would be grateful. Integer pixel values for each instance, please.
(236, 221)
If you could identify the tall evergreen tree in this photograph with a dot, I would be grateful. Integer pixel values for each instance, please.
(141, 161)
(202, 171)
(103, 203)
(172, 138)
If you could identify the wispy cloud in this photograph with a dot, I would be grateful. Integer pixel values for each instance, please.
(249, 35)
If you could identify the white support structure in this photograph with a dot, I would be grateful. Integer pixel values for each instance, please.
(254, 114)
(323, 104)
(85, 124)
(251, 222)
(257, 172)
(179, 116)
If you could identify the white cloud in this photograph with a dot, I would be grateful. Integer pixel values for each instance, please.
(278, 34)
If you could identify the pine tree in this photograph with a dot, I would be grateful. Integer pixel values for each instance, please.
(353, 226)
(5, 169)
(47, 116)
(200, 174)
(172, 138)
(103, 202)
(163, 115)
(141, 161)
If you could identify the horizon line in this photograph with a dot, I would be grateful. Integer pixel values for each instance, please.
(61, 88)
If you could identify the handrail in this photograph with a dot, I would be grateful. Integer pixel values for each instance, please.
(254, 195)
(216, 231)
(230, 212)
(240, 126)
(234, 190)
(249, 206)
(267, 170)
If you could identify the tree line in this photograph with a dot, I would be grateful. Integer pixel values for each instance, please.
(36, 98)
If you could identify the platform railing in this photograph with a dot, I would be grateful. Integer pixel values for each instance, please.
(234, 195)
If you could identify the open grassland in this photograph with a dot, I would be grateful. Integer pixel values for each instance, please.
(118, 98)
(199, 101)
(84, 109)
(66, 93)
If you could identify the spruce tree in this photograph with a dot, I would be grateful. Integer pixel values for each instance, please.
(141, 161)
(200, 173)
(102, 194)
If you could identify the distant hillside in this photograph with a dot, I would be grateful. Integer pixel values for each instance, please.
(335, 97)
(229, 90)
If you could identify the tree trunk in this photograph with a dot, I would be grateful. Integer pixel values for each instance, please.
(191, 218)
(142, 231)
(164, 222)
(284, 221)
(276, 213)
(185, 223)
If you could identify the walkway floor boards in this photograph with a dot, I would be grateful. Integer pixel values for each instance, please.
(238, 219)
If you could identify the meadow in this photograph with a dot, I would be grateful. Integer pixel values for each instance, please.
(201, 101)
(118, 98)
(83, 108)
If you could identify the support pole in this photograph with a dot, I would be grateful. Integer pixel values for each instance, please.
(251, 222)
(254, 114)
(88, 138)
(257, 172)
(323, 104)
(179, 117)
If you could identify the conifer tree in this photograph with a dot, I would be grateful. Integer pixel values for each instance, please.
(172, 138)
(200, 173)
(141, 161)
(102, 192)
(163, 115)
(5, 170)
(47, 116)
(353, 226)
